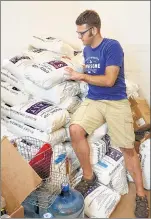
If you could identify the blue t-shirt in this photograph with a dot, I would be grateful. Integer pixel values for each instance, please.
(108, 53)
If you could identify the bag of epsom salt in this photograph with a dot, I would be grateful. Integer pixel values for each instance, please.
(101, 202)
(71, 104)
(22, 130)
(79, 58)
(5, 120)
(41, 55)
(74, 64)
(107, 166)
(56, 94)
(145, 162)
(119, 181)
(98, 150)
(11, 79)
(53, 44)
(111, 171)
(6, 133)
(83, 90)
(5, 109)
(17, 65)
(98, 133)
(12, 95)
(48, 74)
(40, 114)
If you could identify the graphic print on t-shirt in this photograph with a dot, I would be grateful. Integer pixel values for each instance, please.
(92, 65)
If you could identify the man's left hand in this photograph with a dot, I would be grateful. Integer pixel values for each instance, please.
(73, 75)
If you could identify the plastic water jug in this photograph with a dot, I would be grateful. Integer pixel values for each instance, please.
(69, 204)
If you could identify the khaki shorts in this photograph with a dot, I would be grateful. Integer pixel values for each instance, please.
(91, 114)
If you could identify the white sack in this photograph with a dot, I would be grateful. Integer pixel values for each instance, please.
(5, 109)
(97, 151)
(79, 58)
(73, 63)
(52, 44)
(98, 133)
(110, 163)
(83, 89)
(40, 114)
(101, 202)
(71, 104)
(11, 79)
(56, 94)
(17, 65)
(48, 74)
(12, 95)
(111, 171)
(5, 121)
(6, 133)
(41, 55)
(131, 89)
(119, 181)
(23, 130)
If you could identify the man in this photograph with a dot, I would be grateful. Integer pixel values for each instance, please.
(106, 101)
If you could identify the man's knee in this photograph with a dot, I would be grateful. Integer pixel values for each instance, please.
(77, 132)
(128, 152)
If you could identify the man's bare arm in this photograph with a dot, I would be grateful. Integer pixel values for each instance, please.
(107, 80)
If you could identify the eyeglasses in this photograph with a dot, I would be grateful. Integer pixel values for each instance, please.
(82, 33)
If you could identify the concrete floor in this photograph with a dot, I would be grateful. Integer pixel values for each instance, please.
(126, 206)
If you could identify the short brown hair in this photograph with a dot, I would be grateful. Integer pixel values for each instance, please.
(89, 17)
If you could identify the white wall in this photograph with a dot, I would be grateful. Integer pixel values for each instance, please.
(128, 22)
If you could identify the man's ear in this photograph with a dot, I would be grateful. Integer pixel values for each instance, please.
(94, 31)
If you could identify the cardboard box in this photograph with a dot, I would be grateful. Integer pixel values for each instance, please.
(141, 113)
(18, 179)
(19, 213)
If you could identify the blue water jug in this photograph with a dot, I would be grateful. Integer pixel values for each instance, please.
(69, 204)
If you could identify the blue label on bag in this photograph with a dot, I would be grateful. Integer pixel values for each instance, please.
(102, 164)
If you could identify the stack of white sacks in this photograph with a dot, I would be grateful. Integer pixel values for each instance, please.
(38, 99)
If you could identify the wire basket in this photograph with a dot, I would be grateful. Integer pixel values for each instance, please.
(50, 163)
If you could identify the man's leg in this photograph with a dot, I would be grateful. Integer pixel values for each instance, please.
(132, 164)
(122, 135)
(84, 121)
(82, 149)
